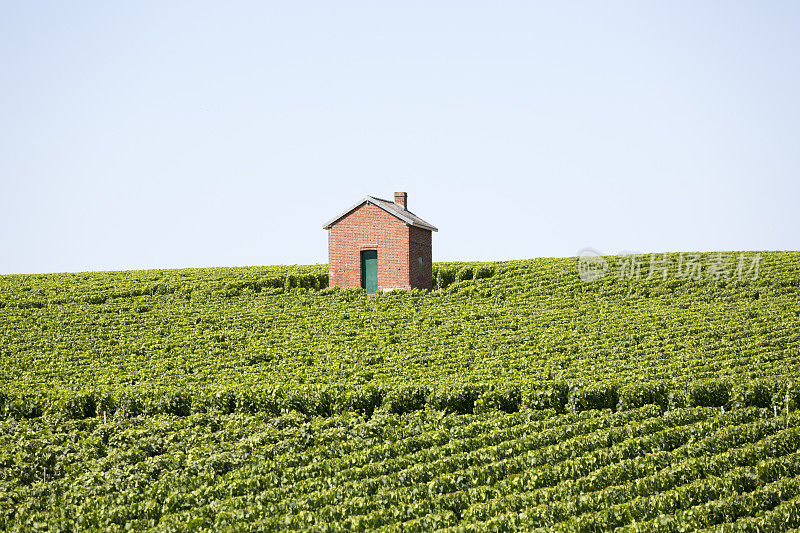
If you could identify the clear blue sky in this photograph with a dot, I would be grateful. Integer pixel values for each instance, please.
(176, 134)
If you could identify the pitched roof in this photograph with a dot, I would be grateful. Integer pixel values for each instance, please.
(390, 207)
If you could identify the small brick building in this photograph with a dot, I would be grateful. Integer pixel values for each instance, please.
(380, 245)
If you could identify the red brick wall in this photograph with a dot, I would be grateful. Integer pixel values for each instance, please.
(370, 227)
(420, 246)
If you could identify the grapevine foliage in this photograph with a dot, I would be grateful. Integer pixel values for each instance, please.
(514, 396)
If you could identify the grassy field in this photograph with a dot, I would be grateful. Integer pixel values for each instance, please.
(514, 396)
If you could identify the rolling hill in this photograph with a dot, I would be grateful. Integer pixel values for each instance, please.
(515, 396)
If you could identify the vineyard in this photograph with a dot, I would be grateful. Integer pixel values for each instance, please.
(514, 396)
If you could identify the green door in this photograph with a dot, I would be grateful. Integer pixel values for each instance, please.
(369, 270)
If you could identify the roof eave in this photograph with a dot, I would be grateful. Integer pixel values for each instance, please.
(345, 213)
(423, 226)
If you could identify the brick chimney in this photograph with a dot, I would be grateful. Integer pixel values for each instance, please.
(401, 199)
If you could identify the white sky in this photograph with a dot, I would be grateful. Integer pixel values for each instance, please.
(173, 134)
